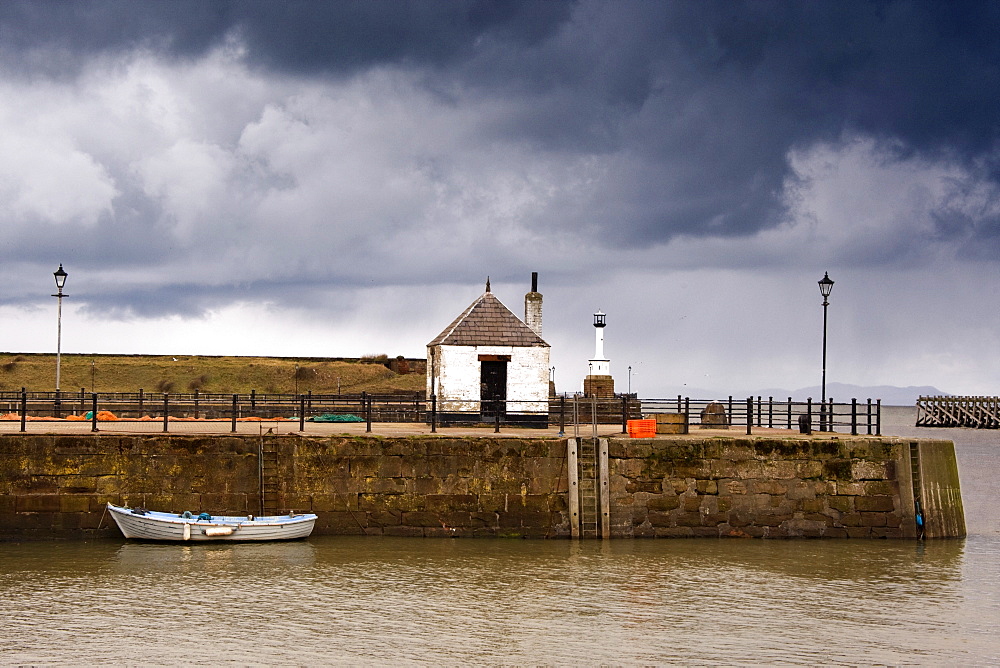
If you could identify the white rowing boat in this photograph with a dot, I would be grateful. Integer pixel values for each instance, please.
(152, 525)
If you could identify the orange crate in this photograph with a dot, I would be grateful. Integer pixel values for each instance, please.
(642, 428)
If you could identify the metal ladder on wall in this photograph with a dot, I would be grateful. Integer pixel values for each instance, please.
(588, 487)
(917, 487)
(268, 476)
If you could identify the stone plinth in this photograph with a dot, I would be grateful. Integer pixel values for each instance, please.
(602, 387)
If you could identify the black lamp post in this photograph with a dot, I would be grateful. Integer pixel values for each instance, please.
(60, 277)
(825, 286)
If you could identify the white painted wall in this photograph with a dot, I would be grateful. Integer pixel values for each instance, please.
(533, 312)
(456, 377)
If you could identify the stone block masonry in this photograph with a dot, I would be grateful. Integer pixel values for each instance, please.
(851, 487)
(420, 486)
(843, 487)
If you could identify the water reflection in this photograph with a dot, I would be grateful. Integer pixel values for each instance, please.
(223, 559)
(360, 600)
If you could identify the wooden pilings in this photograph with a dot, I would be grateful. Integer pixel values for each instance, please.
(976, 412)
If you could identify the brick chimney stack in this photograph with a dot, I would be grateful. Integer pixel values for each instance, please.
(533, 306)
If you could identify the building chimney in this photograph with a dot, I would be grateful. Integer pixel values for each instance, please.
(533, 306)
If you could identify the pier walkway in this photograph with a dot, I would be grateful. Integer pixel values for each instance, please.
(387, 429)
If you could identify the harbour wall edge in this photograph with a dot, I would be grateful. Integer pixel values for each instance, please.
(830, 487)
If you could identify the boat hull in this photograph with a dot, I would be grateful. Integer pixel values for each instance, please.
(153, 525)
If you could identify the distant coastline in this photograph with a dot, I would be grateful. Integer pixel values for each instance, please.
(890, 395)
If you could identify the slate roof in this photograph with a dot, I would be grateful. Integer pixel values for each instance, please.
(487, 322)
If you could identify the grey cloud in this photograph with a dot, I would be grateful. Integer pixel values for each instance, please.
(195, 299)
(691, 108)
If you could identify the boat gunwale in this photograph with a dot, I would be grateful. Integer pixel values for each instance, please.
(235, 521)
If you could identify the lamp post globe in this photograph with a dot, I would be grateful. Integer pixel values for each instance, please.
(60, 276)
(825, 286)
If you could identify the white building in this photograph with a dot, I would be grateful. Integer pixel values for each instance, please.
(487, 361)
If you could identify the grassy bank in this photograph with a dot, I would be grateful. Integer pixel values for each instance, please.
(186, 373)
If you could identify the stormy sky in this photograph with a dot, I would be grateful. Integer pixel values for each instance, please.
(338, 179)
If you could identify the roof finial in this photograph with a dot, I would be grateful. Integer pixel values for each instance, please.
(487, 284)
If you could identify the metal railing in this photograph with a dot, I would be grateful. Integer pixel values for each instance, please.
(563, 410)
(804, 416)
(142, 406)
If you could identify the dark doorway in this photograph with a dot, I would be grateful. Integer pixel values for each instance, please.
(493, 389)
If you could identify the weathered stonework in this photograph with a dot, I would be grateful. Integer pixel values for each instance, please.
(777, 488)
(854, 487)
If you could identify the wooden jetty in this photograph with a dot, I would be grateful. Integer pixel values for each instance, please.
(975, 412)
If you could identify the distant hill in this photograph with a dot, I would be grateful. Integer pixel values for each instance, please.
(841, 392)
(890, 395)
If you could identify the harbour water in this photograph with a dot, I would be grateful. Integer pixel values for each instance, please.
(375, 601)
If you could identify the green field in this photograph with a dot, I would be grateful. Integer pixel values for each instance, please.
(186, 373)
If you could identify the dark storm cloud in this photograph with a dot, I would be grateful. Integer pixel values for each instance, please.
(695, 105)
(734, 87)
(292, 36)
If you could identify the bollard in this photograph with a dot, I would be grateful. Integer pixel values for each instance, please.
(93, 412)
(24, 408)
(166, 411)
(805, 424)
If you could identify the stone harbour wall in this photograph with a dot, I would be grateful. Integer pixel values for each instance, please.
(841, 487)
(676, 486)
